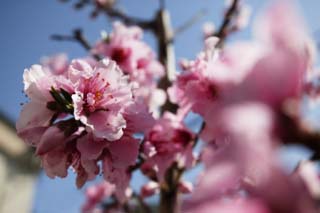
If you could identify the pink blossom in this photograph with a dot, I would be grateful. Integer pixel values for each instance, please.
(185, 187)
(126, 47)
(238, 131)
(167, 142)
(84, 115)
(102, 96)
(234, 171)
(150, 189)
(37, 85)
(221, 206)
(242, 19)
(107, 99)
(271, 70)
(56, 64)
(95, 195)
(50, 139)
(307, 170)
(116, 157)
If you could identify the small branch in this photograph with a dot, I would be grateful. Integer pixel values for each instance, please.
(81, 4)
(81, 39)
(196, 139)
(128, 20)
(141, 158)
(144, 207)
(110, 11)
(191, 21)
(137, 165)
(76, 37)
(62, 37)
(293, 133)
(169, 193)
(126, 208)
(110, 206)
(165, 36)
(223, 30)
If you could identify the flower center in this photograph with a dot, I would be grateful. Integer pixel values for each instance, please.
(119, 55)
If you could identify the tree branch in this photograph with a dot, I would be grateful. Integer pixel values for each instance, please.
(128, 20)
(164, 35)
(169, 195)
(293, 133)
(223, 29)
(76, 37)
(144, 207)
(196, 139)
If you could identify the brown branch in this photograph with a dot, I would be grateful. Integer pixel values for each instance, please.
(107, 207)
(196, 139)
(169, 194)
(164, 35)
(126, 208)
(128, 20)
(137, 165)
(141, 158)
(223, 29)
(292, 132)
(144, 207)
(78, 37)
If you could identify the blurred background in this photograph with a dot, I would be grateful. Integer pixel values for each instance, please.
(26, 27)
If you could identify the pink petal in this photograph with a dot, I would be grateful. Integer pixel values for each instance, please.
(89, 148)
(107, 124)
(52, 138)
(124, 152)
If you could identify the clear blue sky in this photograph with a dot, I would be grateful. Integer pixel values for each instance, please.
(24, 38)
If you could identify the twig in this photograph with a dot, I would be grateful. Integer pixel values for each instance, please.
(223, 30)
(128, 20)
(169, 192)
(114, 204)
(126, 208)
(165, 36)
(196, 139)
(144, 207)
(76, 37)
(79, 37)
(81, 4)
(141, 158)
(191, 21)
(137, 165)
(293, 133)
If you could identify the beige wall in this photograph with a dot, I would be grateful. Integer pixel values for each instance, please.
(18, 172)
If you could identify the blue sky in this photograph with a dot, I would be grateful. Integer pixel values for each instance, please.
(24, 38)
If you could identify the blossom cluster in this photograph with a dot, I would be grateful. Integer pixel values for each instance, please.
(243, 92)
(125, 46)
(103, 117)
(81, 115)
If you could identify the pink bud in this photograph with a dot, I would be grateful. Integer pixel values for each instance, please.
(185, 187)
(208, 29)
(51, 138)
(105, 3)
(308, 172)
(243, 17)
(150, 189)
